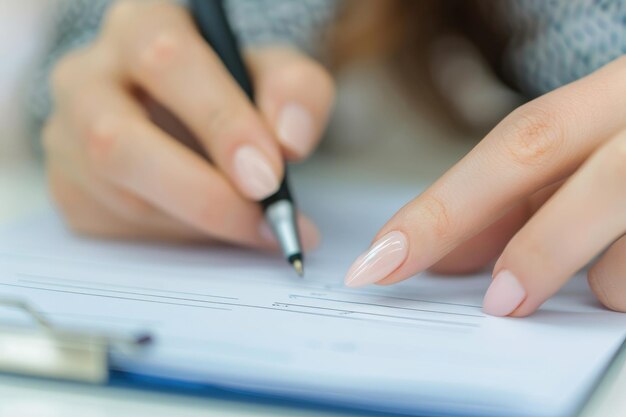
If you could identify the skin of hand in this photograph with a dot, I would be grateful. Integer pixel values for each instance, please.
(151, 138)
(544, 192)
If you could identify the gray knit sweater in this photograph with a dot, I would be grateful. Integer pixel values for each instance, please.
(553, 41)
(77, 23)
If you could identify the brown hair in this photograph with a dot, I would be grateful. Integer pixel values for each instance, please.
(383, 28)
(401, 33)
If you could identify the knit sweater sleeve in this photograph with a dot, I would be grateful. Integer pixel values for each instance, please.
(77, 23)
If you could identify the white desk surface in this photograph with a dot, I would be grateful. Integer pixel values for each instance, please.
(21, 191)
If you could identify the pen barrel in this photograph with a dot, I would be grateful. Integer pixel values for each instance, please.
(283, 193)
(213, 25)
(279, 208)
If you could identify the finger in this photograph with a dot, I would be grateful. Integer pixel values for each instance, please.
(607, 277)
(574, 226)
(64, 156)
(295, 94)
(131, 208)
(65, 164)
(125, 148)
(477, 252)
(167, 57)
(86, 215)
(94, 207)
(538, 144)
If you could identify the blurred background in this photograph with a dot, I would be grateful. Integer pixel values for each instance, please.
(24, 26)
(378, 132)
(373, 119)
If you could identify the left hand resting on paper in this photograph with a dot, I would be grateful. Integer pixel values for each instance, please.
(545, 191)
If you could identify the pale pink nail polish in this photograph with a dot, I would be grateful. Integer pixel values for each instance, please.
(295, 128)
(504, 295)
(383, 257)
(254, 173)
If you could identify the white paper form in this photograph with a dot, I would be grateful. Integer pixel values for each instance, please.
(241, 320)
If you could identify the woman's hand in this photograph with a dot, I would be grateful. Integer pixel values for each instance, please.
(116, 160)
(545, 190)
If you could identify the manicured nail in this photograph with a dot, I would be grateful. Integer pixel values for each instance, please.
(254, 173)
(504, 295)
(383, 257)
(295, 129)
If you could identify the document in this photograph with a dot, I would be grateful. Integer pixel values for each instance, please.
(241, 320)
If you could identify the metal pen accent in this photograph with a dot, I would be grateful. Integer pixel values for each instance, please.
(279, 208)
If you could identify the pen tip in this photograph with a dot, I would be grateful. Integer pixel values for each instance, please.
(299, 267)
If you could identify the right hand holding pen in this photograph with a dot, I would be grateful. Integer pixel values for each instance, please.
(116, 159)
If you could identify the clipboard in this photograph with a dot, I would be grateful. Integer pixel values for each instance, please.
(51, 352)
(44, 350)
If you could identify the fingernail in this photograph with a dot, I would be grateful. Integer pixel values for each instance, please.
(254, 173)
(295, 128)
(504, 295)
(383, 257)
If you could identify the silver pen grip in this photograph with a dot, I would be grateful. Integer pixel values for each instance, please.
(281, 216)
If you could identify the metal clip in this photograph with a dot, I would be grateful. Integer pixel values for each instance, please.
(50, 352)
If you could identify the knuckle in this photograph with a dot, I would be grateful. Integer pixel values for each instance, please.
(155, 31)
(101, 141)
(437, 214)
(534, 136)
(161, 47)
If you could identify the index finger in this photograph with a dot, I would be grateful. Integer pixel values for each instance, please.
(164, 54)
(535, 146)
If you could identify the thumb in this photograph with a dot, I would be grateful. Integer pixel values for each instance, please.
(295, 95)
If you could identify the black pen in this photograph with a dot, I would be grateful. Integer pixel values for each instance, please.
(279, 208)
